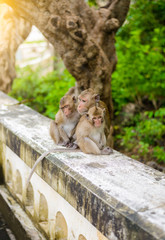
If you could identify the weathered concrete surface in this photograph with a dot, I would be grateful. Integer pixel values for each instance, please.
(17, 219)
(5, 232)
(123, 198)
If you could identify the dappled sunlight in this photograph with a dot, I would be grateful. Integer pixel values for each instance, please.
(36, 52)
(13, 31)
(7, 20)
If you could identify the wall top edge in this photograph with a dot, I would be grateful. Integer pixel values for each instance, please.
(130, 182)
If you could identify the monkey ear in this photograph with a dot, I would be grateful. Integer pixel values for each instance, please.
(74, 99)
(87, 116)
(104, 110)
(97, 98)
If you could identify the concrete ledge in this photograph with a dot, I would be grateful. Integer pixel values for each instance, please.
(16, 218)
(121, 197)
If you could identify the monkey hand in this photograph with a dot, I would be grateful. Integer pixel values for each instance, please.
(106, 151)
(65, 143)
(72, 145)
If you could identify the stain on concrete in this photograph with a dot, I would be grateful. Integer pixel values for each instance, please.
(115, 193)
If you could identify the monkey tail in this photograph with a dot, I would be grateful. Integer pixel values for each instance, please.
(36, 163)
(44, 155)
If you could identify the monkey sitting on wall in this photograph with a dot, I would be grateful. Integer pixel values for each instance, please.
(62, 129)
(87, 99)
(90, 132)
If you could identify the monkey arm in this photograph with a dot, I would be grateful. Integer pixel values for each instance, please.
(54, 133)
(63, 135)
(73, 133)
(88, 146)
(59, 121)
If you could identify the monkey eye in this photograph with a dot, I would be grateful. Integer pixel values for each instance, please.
(66, 106)
(82, 100)
(94, 118)
(99, 117)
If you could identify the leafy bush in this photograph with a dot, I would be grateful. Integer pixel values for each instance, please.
(159, 154)
(145, 140)
(44, 91)
(140, 72)
(140, 79)
(140, 48)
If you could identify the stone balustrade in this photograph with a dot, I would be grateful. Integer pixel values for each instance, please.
(76, 196)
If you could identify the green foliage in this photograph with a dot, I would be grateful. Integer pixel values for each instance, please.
(92, 3)
(44, 91)
(141, 50)
(140, 72)
(159, 153)
(146, 137)
(140, 79)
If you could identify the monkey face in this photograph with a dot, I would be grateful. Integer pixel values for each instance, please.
(96, 116)
(88, 98)
(66, 110)
(82, 105)
(97, 121)
(67, 105)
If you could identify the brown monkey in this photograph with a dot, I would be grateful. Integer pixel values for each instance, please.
(87, 99)
(72, 92)
(62, 129)
(90, 132)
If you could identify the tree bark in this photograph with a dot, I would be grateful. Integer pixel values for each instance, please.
(84, 37)
(13, 31)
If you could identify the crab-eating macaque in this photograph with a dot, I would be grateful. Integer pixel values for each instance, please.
(90, 136)
(87, 99)
(62, 129)
(72, 92)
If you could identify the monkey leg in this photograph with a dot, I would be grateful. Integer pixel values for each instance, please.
(106, 151)
(54, 132)
(88, 146)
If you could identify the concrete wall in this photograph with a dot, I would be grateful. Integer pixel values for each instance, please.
(73, 195)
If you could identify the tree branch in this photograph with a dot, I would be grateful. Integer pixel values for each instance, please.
(13, 31)
(119, 9)
(83, 37)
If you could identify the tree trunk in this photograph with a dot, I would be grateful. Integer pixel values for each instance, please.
(84, 37)
(13, 31)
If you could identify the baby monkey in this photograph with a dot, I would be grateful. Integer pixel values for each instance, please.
(62, 129)
(87, 99)
(90, 132)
